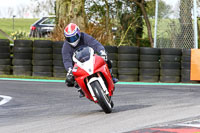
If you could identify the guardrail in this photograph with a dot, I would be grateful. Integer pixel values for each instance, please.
(44, 58)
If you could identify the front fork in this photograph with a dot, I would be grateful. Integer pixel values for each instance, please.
(100, 80)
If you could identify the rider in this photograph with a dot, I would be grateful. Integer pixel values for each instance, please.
(75, 39)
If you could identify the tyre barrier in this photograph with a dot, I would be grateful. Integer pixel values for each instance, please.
(5, 60)
(128, 62)
(42, 58)
(185, 66)
(22, 57)
(149, 64)
(170, 66)
(58, 66)
(113, 56)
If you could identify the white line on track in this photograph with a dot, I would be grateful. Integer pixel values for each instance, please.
(194, 123)
(5, 99)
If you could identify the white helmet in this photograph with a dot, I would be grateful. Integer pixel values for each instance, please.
(72, 34)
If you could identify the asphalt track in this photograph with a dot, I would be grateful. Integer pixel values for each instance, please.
(51, 107)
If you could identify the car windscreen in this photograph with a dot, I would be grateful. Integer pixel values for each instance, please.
(49, 21)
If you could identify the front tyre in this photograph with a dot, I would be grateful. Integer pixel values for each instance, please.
(103, 99)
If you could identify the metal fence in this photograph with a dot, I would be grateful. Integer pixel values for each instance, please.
(177, 27)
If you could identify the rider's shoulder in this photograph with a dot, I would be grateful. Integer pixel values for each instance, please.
(85, 35)
(66, 45)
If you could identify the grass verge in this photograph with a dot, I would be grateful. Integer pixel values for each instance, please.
(20, 24)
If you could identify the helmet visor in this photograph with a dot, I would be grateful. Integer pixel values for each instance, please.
(72, 39)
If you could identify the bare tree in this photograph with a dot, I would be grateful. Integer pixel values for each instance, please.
(45, 7)
(10, 11)
(21, 11)
(108, 24)
(141, 4)
(71, 11)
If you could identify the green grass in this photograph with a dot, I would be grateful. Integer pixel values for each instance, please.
(24, 25)
(162, 26)
(20, 25)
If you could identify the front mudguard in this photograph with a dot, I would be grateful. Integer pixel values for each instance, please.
(100, 80)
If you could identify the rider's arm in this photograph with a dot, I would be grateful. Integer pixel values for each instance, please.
(93, 43)
(67, 56)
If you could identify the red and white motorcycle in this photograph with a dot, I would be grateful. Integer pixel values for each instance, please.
(93, 77)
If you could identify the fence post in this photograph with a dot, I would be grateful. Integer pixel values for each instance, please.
(195, 25)
(156, 22)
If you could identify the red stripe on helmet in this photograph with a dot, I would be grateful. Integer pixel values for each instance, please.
(71, 28)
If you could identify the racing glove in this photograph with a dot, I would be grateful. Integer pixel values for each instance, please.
(103, 54)
(69, 78)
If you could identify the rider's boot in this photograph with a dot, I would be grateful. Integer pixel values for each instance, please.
(80, 91)
(109, 63)
(115, 80)
(112, 104)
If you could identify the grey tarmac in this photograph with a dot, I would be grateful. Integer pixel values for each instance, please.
(50, 107)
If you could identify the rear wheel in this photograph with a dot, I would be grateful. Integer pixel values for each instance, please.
(104, 100)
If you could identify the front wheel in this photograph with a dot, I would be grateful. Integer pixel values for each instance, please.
(103, 99)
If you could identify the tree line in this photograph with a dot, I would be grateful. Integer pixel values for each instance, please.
(113, 22)
(110, 21)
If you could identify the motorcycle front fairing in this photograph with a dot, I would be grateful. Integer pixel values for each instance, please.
(100, 66)
(83, 67)
(89, 64)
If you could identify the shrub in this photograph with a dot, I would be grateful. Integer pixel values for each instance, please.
(19, 35)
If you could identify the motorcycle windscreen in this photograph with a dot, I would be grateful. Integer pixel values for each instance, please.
(83, 54)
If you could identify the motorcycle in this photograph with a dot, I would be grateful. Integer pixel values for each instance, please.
(93, 77)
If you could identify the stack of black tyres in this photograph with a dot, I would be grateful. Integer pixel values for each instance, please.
(22, 57)
(149, 66)
(112, 52)
(58, 66)
(128, 58)
(42, 58)
(170, 66)
(5, 62)
(185, 66)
